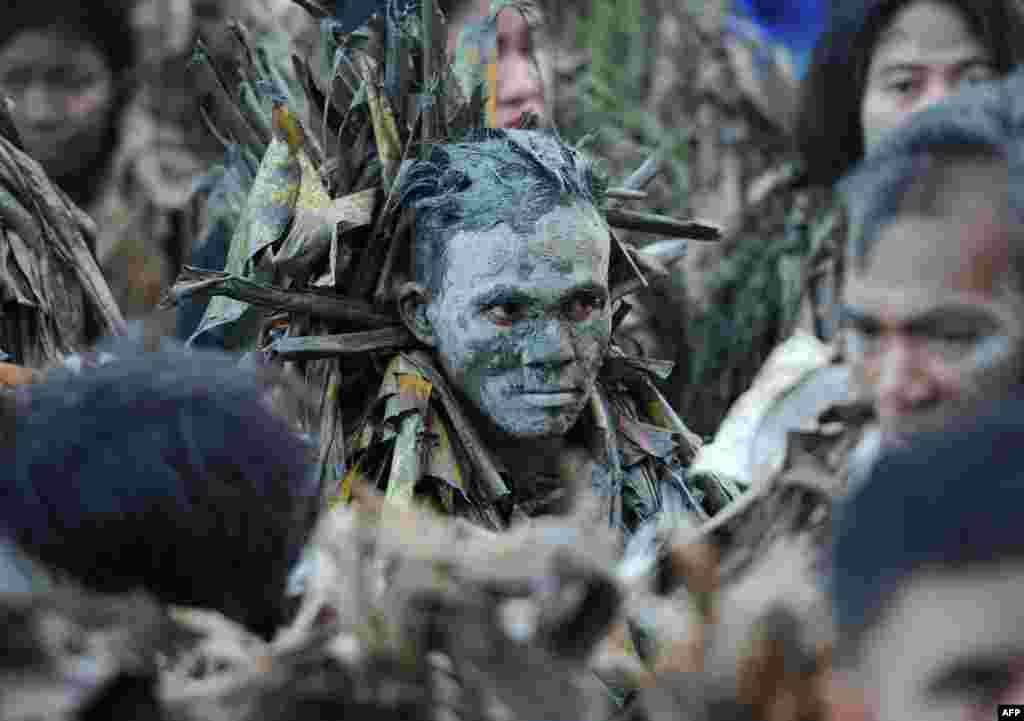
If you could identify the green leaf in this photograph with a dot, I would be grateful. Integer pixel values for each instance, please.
(268, 212)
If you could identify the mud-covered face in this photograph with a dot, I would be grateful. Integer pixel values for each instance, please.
(934, 325)
(64, 95)
(927, 53)
(521, 323)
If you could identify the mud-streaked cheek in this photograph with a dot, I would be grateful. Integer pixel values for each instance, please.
(866, 376)
(480, 353)
(995, 364)
(591, 338)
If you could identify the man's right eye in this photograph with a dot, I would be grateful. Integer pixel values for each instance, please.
(901, 86)
(15, 81)
(505, 314)
(980, 686)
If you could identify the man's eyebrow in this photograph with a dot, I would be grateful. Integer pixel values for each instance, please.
(902, 66)
(936, 317)
(953, 315)
(856, 316)
(899, 66)
(501, 294)
(888, 35)
(594, 288)
(510, 293)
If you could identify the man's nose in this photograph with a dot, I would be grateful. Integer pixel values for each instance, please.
(938, 88)
(549, 345)
(1014, 693)
(38, 105)
(519, 82)
(903, 381)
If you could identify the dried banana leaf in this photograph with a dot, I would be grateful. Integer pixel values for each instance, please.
(222, 103)
(625, 194)
(269, 211)
(311, 232)
(392, 338)
(494, 485)
(71, 303)
(661, 224)
(320, 304)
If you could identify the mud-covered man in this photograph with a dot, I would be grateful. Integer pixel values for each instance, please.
(510, 292)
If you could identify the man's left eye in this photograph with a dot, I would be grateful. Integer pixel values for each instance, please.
(977, 73)
(583, 307)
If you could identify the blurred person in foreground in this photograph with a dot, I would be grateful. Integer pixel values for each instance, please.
(928, 577)
(934, 307)
(933, 301)
(157, 470)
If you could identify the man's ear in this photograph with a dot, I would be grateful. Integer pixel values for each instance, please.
(413, 299)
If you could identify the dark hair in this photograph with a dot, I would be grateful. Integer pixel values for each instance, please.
(916, 166)
(493, 177)
(167, 472)
(828, 130)
(950, 501)
(106, 23)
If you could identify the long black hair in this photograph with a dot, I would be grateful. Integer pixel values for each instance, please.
(829, 134)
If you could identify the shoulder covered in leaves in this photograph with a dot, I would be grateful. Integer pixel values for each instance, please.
(415, 444)
(56, 300)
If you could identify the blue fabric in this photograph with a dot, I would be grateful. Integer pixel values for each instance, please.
(210, 251)
(353, 13)
(794, 24)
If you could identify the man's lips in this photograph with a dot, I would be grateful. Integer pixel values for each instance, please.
(46, 141)
(551, 397)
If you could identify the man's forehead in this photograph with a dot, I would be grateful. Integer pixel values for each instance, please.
(930, 27)
(942, 617)
(36, 45)
(569, 239)
(967, 253)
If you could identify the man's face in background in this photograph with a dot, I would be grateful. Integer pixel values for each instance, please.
(520, 80)
(933, 317)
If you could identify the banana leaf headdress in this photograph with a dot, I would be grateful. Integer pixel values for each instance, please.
(319, 241)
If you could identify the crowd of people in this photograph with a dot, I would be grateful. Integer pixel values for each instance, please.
(518, 495)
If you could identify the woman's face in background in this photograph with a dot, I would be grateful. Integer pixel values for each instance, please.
(520, 82)
(927, 52)
(63, 92)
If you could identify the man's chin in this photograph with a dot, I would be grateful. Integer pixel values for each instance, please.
(901, 432)
(539, 425)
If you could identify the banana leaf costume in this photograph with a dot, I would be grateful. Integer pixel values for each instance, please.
(55, 300)
(318, 247)
(413, 445)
